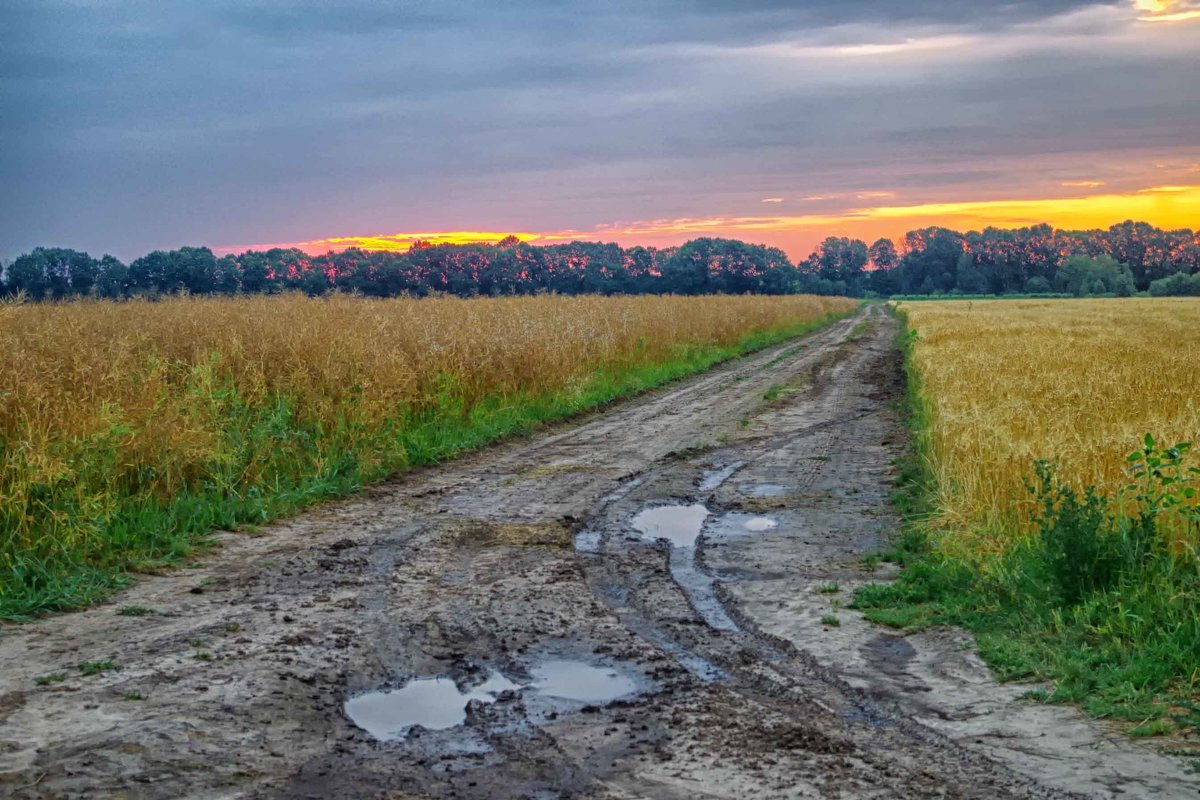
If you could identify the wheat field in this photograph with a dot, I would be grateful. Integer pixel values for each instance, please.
(1077, 382)
(112, 412)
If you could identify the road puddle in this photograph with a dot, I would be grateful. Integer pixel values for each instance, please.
(766, 490)
(439, 703)
(737, 524)
(578, 680)
(679, 525)
(433, 703)
(714, 477)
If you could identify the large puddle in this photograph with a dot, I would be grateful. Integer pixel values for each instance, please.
(438, 703)
(577, 680)
(433, 703)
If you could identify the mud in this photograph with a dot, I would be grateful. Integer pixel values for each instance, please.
(570, 659)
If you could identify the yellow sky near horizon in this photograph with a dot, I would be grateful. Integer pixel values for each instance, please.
(1166, 206)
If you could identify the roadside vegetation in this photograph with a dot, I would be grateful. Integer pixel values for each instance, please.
(1038, 518)
(128, 431)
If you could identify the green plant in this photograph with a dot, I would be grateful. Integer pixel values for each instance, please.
(135, 611)
(46, 680)
(830, 621)
(89, 668)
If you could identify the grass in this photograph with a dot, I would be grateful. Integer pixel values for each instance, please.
(1094, 591)
(130, 431)
(135, 611)
(89, 668)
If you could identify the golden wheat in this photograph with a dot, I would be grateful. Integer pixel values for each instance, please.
(1077, 382)
(96, 393)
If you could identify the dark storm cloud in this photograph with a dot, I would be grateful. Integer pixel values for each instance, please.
(129, 125)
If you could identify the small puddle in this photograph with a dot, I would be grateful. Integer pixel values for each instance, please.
(577, 680)
(737, 524)
(713, 478)
(587, 541)
(766, 490)
(433, 703)
(679, 525)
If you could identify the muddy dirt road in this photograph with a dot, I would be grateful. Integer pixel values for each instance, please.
(645, 603)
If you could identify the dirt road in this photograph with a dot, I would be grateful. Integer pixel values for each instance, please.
(645, 603)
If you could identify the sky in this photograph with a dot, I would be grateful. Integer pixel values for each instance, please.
(144, 124)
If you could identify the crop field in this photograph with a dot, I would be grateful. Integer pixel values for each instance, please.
(1051, 500)
(1075, 382)
(129, 429)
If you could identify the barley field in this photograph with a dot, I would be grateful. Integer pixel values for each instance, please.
(1078, 382)
(126, 429)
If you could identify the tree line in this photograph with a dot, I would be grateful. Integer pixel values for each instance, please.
(1124, 259)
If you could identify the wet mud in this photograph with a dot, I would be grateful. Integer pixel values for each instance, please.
(632, 605)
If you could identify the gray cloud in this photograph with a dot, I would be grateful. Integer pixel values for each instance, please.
(134, 125)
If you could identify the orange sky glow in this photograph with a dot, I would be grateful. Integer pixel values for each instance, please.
(1167, 206)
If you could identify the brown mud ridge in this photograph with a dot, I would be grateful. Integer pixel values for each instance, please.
(627, 606)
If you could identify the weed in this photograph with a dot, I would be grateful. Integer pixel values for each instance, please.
(135, 611)
(46, 680)
(828, 588)
(830, 621)
(232, 627)
(89, 668)
(134, 695)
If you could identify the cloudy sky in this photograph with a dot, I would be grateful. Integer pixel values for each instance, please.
(133, 125)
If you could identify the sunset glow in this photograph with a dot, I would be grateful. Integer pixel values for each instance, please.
(1166, 206)
(1167, 10)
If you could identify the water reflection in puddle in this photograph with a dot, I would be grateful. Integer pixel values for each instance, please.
(757, 524)
(576, 680)
(680, 525)
(438, 703)
(433, 703)
(766, 490)
(713, 478)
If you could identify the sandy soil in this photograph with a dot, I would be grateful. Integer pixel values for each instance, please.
(710, 669)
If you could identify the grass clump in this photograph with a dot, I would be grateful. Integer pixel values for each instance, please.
(135, 611)
(89, 668)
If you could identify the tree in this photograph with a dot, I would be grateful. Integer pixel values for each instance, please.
(968, 278)
(113, 281)
(882, 254)
(1081, 275)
